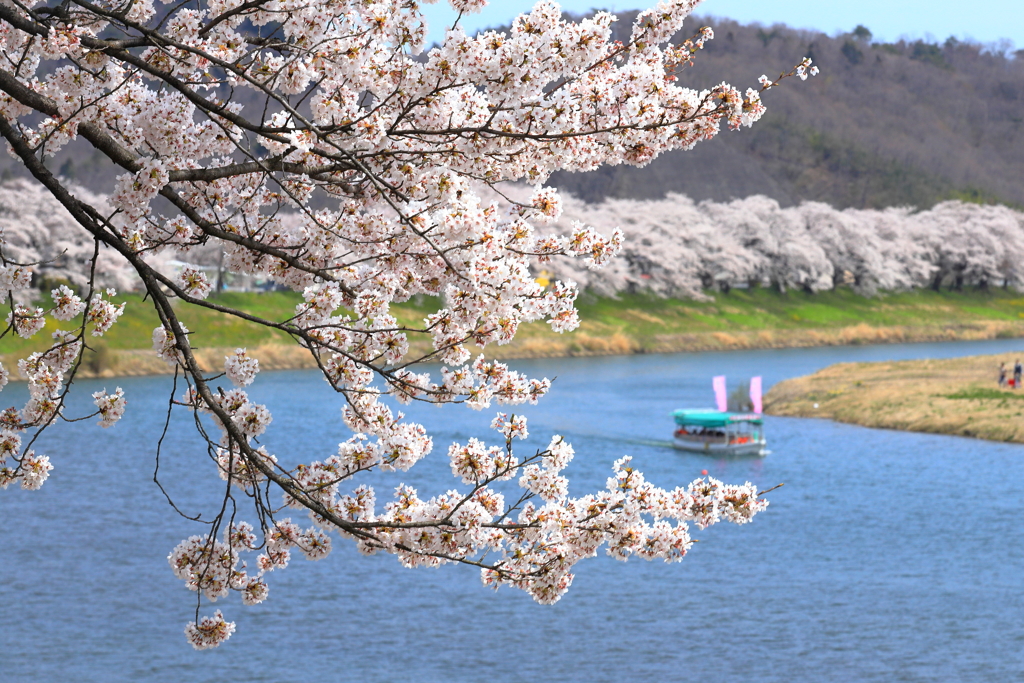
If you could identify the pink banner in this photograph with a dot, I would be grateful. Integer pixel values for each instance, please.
(755, 393)
(720, 398)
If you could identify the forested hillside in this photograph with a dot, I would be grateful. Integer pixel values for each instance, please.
(905, 124)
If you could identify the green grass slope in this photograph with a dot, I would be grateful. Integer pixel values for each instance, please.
(631, 323)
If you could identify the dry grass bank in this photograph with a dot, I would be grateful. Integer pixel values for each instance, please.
(595, 340)
(948, 396)
(137, 362)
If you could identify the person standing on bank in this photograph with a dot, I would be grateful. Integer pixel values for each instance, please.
(1002, 374)
(1018, 369)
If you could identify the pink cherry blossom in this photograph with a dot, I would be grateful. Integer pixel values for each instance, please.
(194, 283)
(209, 631)
(241, 368)
(67, 304)
(111, 406)
(26, 321)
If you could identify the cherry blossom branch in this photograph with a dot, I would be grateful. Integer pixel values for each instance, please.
(355, 181)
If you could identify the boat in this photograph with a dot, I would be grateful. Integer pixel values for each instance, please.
(718, 432)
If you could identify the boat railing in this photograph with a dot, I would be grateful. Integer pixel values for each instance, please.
(729, 436)
(704, 437)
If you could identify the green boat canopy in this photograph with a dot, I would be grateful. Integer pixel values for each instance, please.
(713, 418)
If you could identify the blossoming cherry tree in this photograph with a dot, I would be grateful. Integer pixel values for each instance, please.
(320, 146)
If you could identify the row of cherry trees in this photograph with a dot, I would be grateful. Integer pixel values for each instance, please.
(674, 247)
(37, 230)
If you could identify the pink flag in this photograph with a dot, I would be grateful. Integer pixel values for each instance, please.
(720, 399)
(755, 393)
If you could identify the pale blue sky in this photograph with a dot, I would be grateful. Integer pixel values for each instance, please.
(985, 21)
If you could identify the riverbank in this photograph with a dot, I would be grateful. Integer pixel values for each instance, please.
(630, 323)
(956, 396)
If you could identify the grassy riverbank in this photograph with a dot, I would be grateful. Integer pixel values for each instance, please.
(948, 396)
(636, 323)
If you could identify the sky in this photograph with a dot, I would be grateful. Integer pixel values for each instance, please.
(986, 21)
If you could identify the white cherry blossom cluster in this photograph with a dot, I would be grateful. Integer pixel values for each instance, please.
(241, 368)
(251, 419)
(28, 468)
(111, 406)
(804, 69)
(102, 314)
(538, 542)
(193, 282)
(32, 471)
(316, 147)
(45, 375)
(165, 345)
(513, 427)
(26, 321)
(209, 632)
(235, 467)
(632, 517)
(14, 278)
(46, 372)
(67, 304)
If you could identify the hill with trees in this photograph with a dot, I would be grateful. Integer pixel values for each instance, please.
(886, 124)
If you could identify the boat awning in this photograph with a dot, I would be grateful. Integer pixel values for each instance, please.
(713, 418)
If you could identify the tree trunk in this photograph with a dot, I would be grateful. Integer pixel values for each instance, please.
(220, 274)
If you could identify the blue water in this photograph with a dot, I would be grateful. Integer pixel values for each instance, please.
(885, 557)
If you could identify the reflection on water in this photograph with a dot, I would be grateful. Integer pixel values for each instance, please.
(887, 556)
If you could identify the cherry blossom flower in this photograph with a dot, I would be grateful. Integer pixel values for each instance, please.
(233, 465)
(194, 283)
(511, 427)
(241, 368)
(35, 469)
(165, 345)
(14, 278)
(67, 304)
(209, 631)
(255, 591)
(26, 321)
(103, 314)
(10, 442)
(110, 406)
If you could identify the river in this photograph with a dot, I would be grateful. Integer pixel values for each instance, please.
(886, 556)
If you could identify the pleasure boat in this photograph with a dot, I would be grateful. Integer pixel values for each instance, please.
(717, 432)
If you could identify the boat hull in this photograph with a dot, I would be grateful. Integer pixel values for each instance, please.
(718, 448)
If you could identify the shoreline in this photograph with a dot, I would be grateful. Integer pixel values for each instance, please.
(953, 396)
(113, 363)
